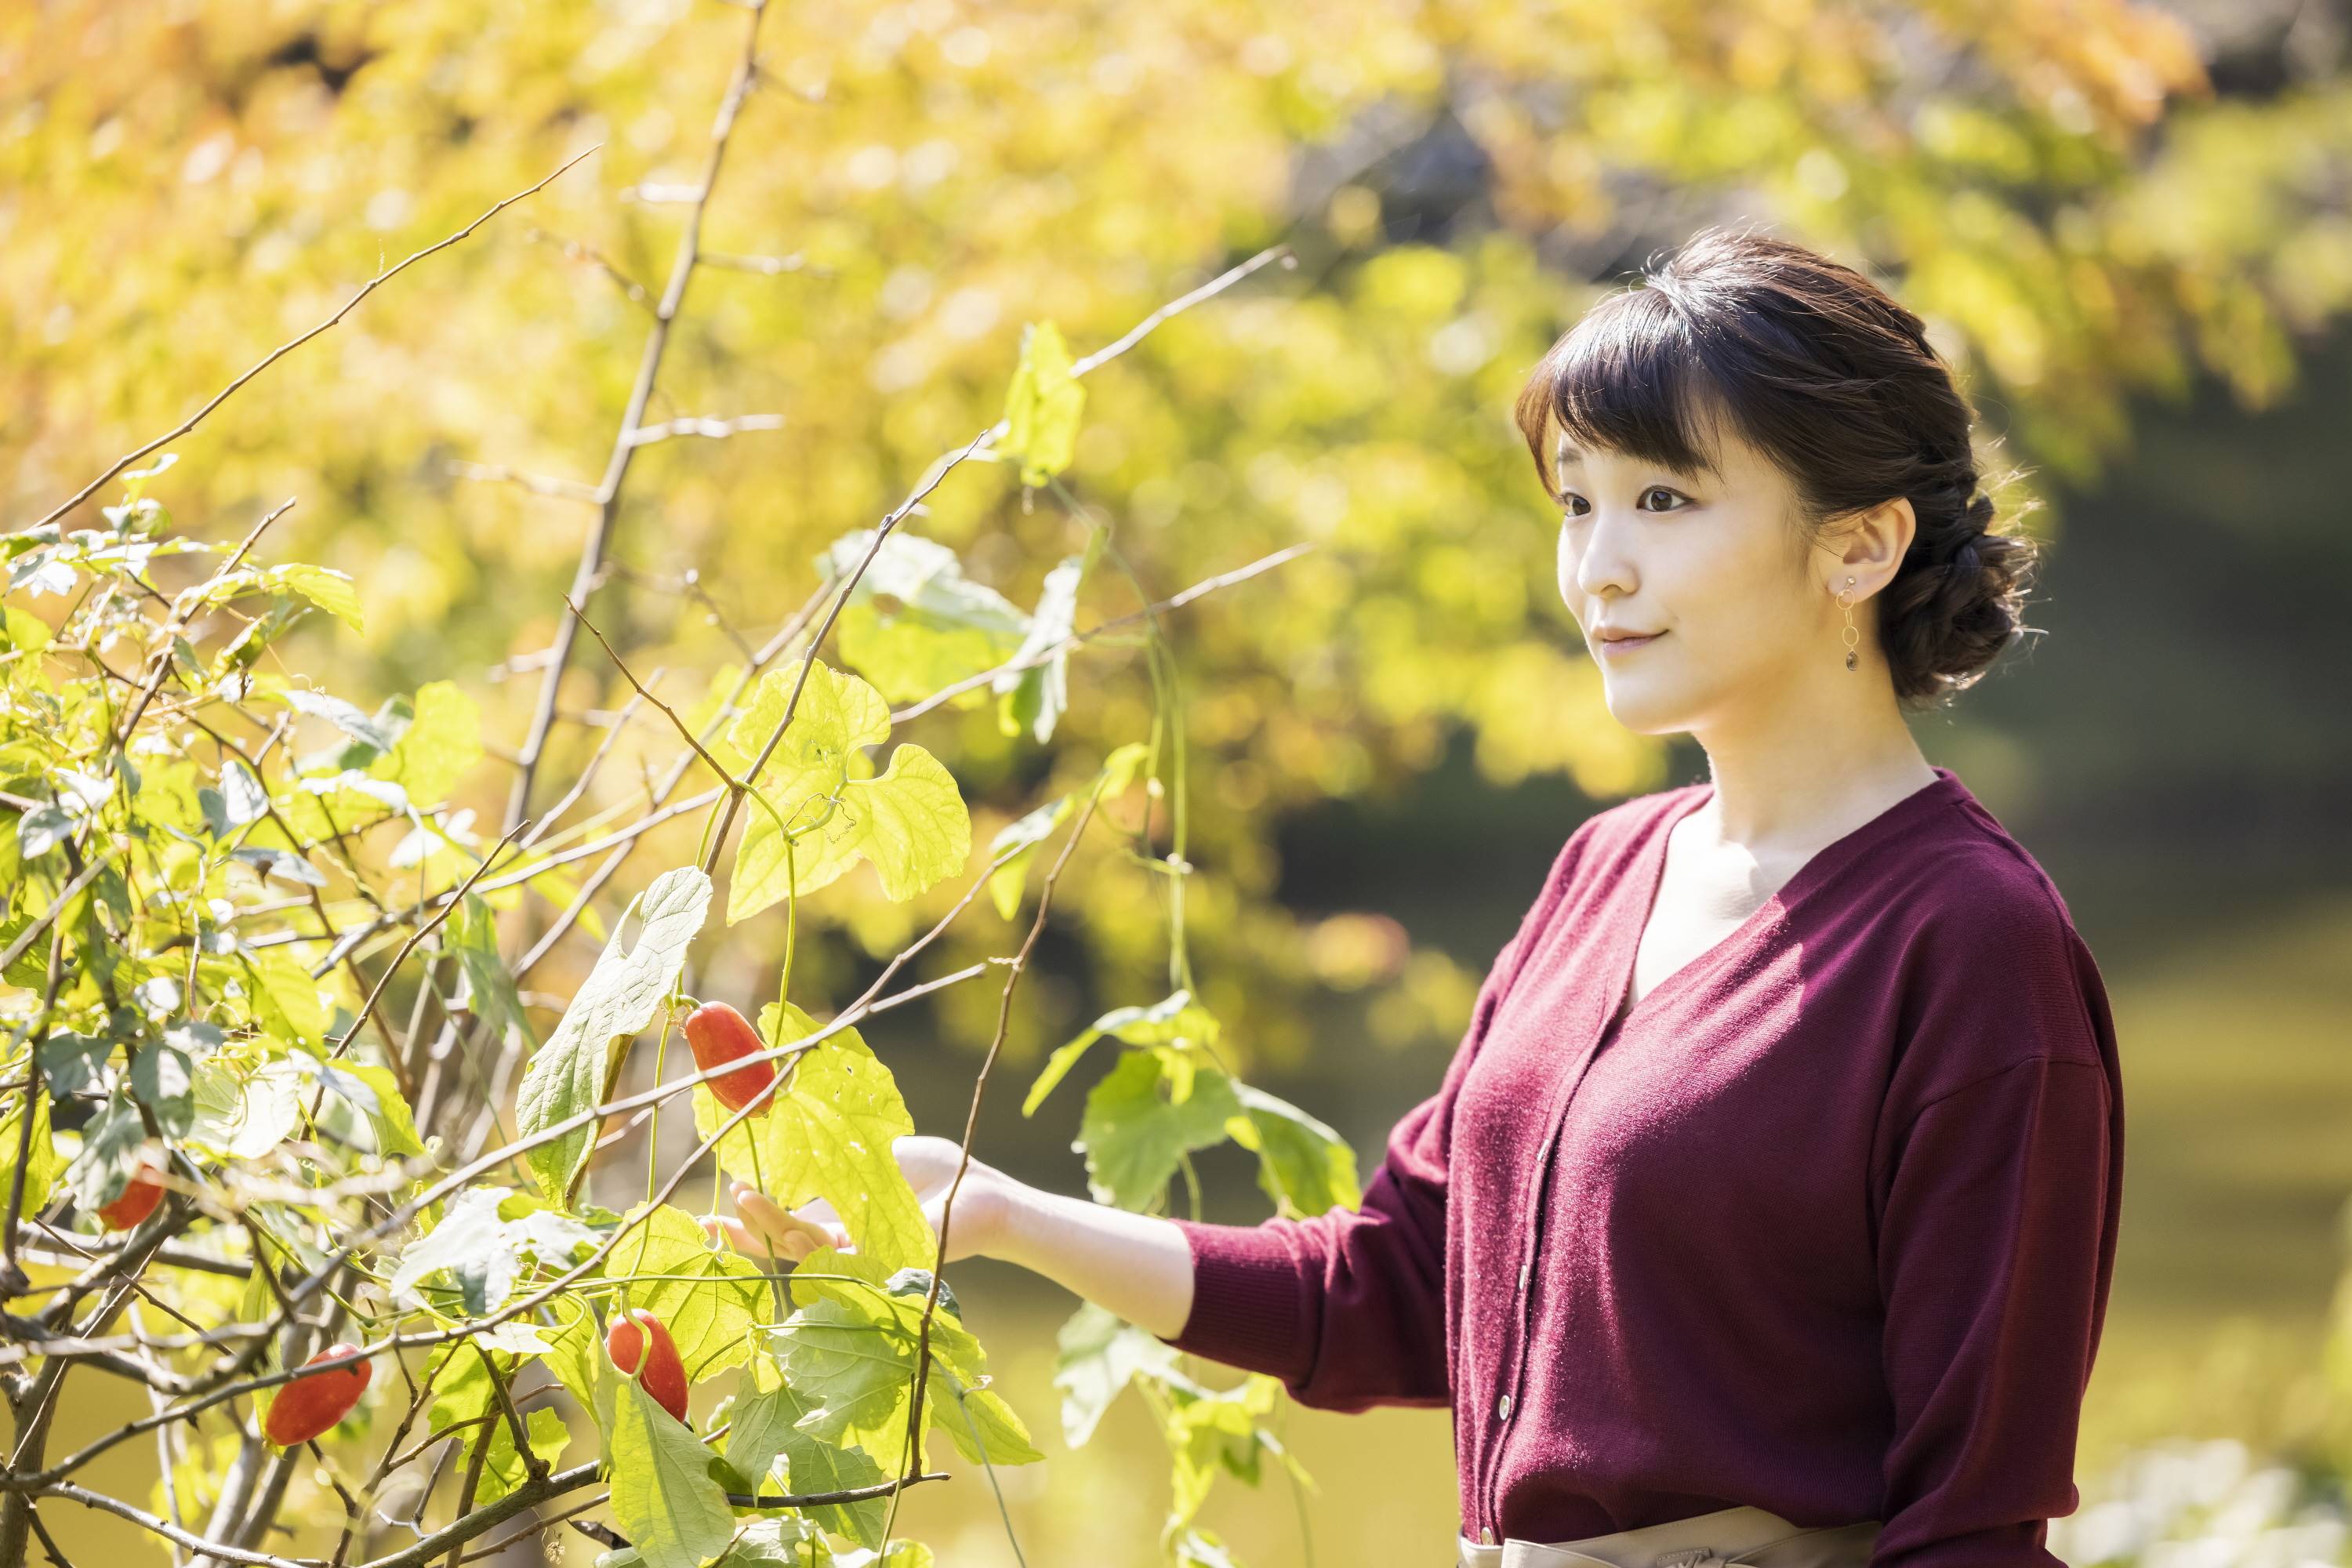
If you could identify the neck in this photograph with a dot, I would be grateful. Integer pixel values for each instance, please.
(1832, 752)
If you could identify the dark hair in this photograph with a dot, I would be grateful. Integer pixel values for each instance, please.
(1819, 369)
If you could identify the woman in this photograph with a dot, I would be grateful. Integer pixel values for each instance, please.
(1768, 1209)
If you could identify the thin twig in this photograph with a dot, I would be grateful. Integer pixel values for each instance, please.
(275, 355)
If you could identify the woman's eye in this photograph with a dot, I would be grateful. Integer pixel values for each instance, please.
(1578, 506)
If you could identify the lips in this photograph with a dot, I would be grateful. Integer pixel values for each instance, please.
(1617, 644)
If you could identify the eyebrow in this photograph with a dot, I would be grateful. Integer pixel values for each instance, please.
(1566, 454)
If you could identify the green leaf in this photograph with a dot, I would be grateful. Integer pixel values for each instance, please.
(926, 578)
(892, 1304)
(907, 658)
(944, 627)
(1303, 1166)
(477, 1249)
(813, 1465)
(241, 1113)
(828, 1134)
(980, 1422)
(474, 934)
(910, 822)
(1132, 1135)
(575, 1353)
(711, 1298)
(109, 1155)
(573, 1072)
(1036, 694)
(1175, 1020)
(1043, 406)
(42, 1166)
(782, 1540)
(442, 744)
(1004, 882)
(664, 1499)
(283, 995)
(1027, 832)
(902, 1553)
(1207, 1432)
(331, 590)
(163, 1078)
(1100, 1353)
(363, 1106)
(891, 1301)
(857, 1370)
(757, 1421)
(503, 1468)
(25, 631)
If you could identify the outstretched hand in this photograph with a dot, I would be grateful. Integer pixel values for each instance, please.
(760, 1227)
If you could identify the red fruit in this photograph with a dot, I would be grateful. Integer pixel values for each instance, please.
(137, 1202)
(720, 1034)
(315, 1401)
(664, 1374)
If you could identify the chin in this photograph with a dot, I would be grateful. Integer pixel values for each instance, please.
(1645, 713)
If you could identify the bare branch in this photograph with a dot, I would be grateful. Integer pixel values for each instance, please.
(717, 428)
(276, 354)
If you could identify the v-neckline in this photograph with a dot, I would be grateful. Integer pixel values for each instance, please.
(1819, 864)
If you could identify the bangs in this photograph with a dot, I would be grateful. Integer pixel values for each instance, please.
(1627, 378)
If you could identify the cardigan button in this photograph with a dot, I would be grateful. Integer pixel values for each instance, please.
(1503, 1408)
(1523, 1277)
(1487, 1535)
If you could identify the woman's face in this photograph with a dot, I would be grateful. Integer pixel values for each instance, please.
(1713, 566)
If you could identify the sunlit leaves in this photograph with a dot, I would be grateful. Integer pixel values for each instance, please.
(329, 590)
(858, 1373)
(1208, 1432)
(1303, 1166)
(442, 741)
(827, 1132)
(769, 1441)
(914, 623)
(850, 1349)
(706, 1296)
(503, 1467)
(665, 1498)
(1035, 695)
(1044, 406)
(1176, 1020)
(487, 1238)
(42, 1166)
(1135, 1130)
(1100, 1354)
(490, 989)
(822, 800)
(573, 1071)
(109, 1155)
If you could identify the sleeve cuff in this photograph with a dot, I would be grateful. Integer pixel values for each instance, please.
(1246, 1300)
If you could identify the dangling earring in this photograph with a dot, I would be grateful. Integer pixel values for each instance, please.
(1853, 638)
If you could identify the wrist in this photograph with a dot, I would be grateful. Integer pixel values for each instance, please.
(1024, 1215)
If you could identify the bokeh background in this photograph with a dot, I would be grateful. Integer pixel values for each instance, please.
(2129, 225)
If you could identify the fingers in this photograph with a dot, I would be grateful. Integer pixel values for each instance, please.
(763, 1227)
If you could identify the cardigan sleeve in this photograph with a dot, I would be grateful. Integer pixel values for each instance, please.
(1995, 1252)
(1348, 1307)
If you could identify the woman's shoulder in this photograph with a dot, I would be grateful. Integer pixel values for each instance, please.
(1968, 884)
(1991, 962)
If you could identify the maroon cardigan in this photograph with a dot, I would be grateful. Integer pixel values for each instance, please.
(1824, 1225)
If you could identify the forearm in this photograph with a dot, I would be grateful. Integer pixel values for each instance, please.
(1136, 1267)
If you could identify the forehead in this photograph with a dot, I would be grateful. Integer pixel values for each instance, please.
(1570, 457)
(1723, 454)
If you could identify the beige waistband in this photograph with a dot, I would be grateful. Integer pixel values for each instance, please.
(1727, 1538)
